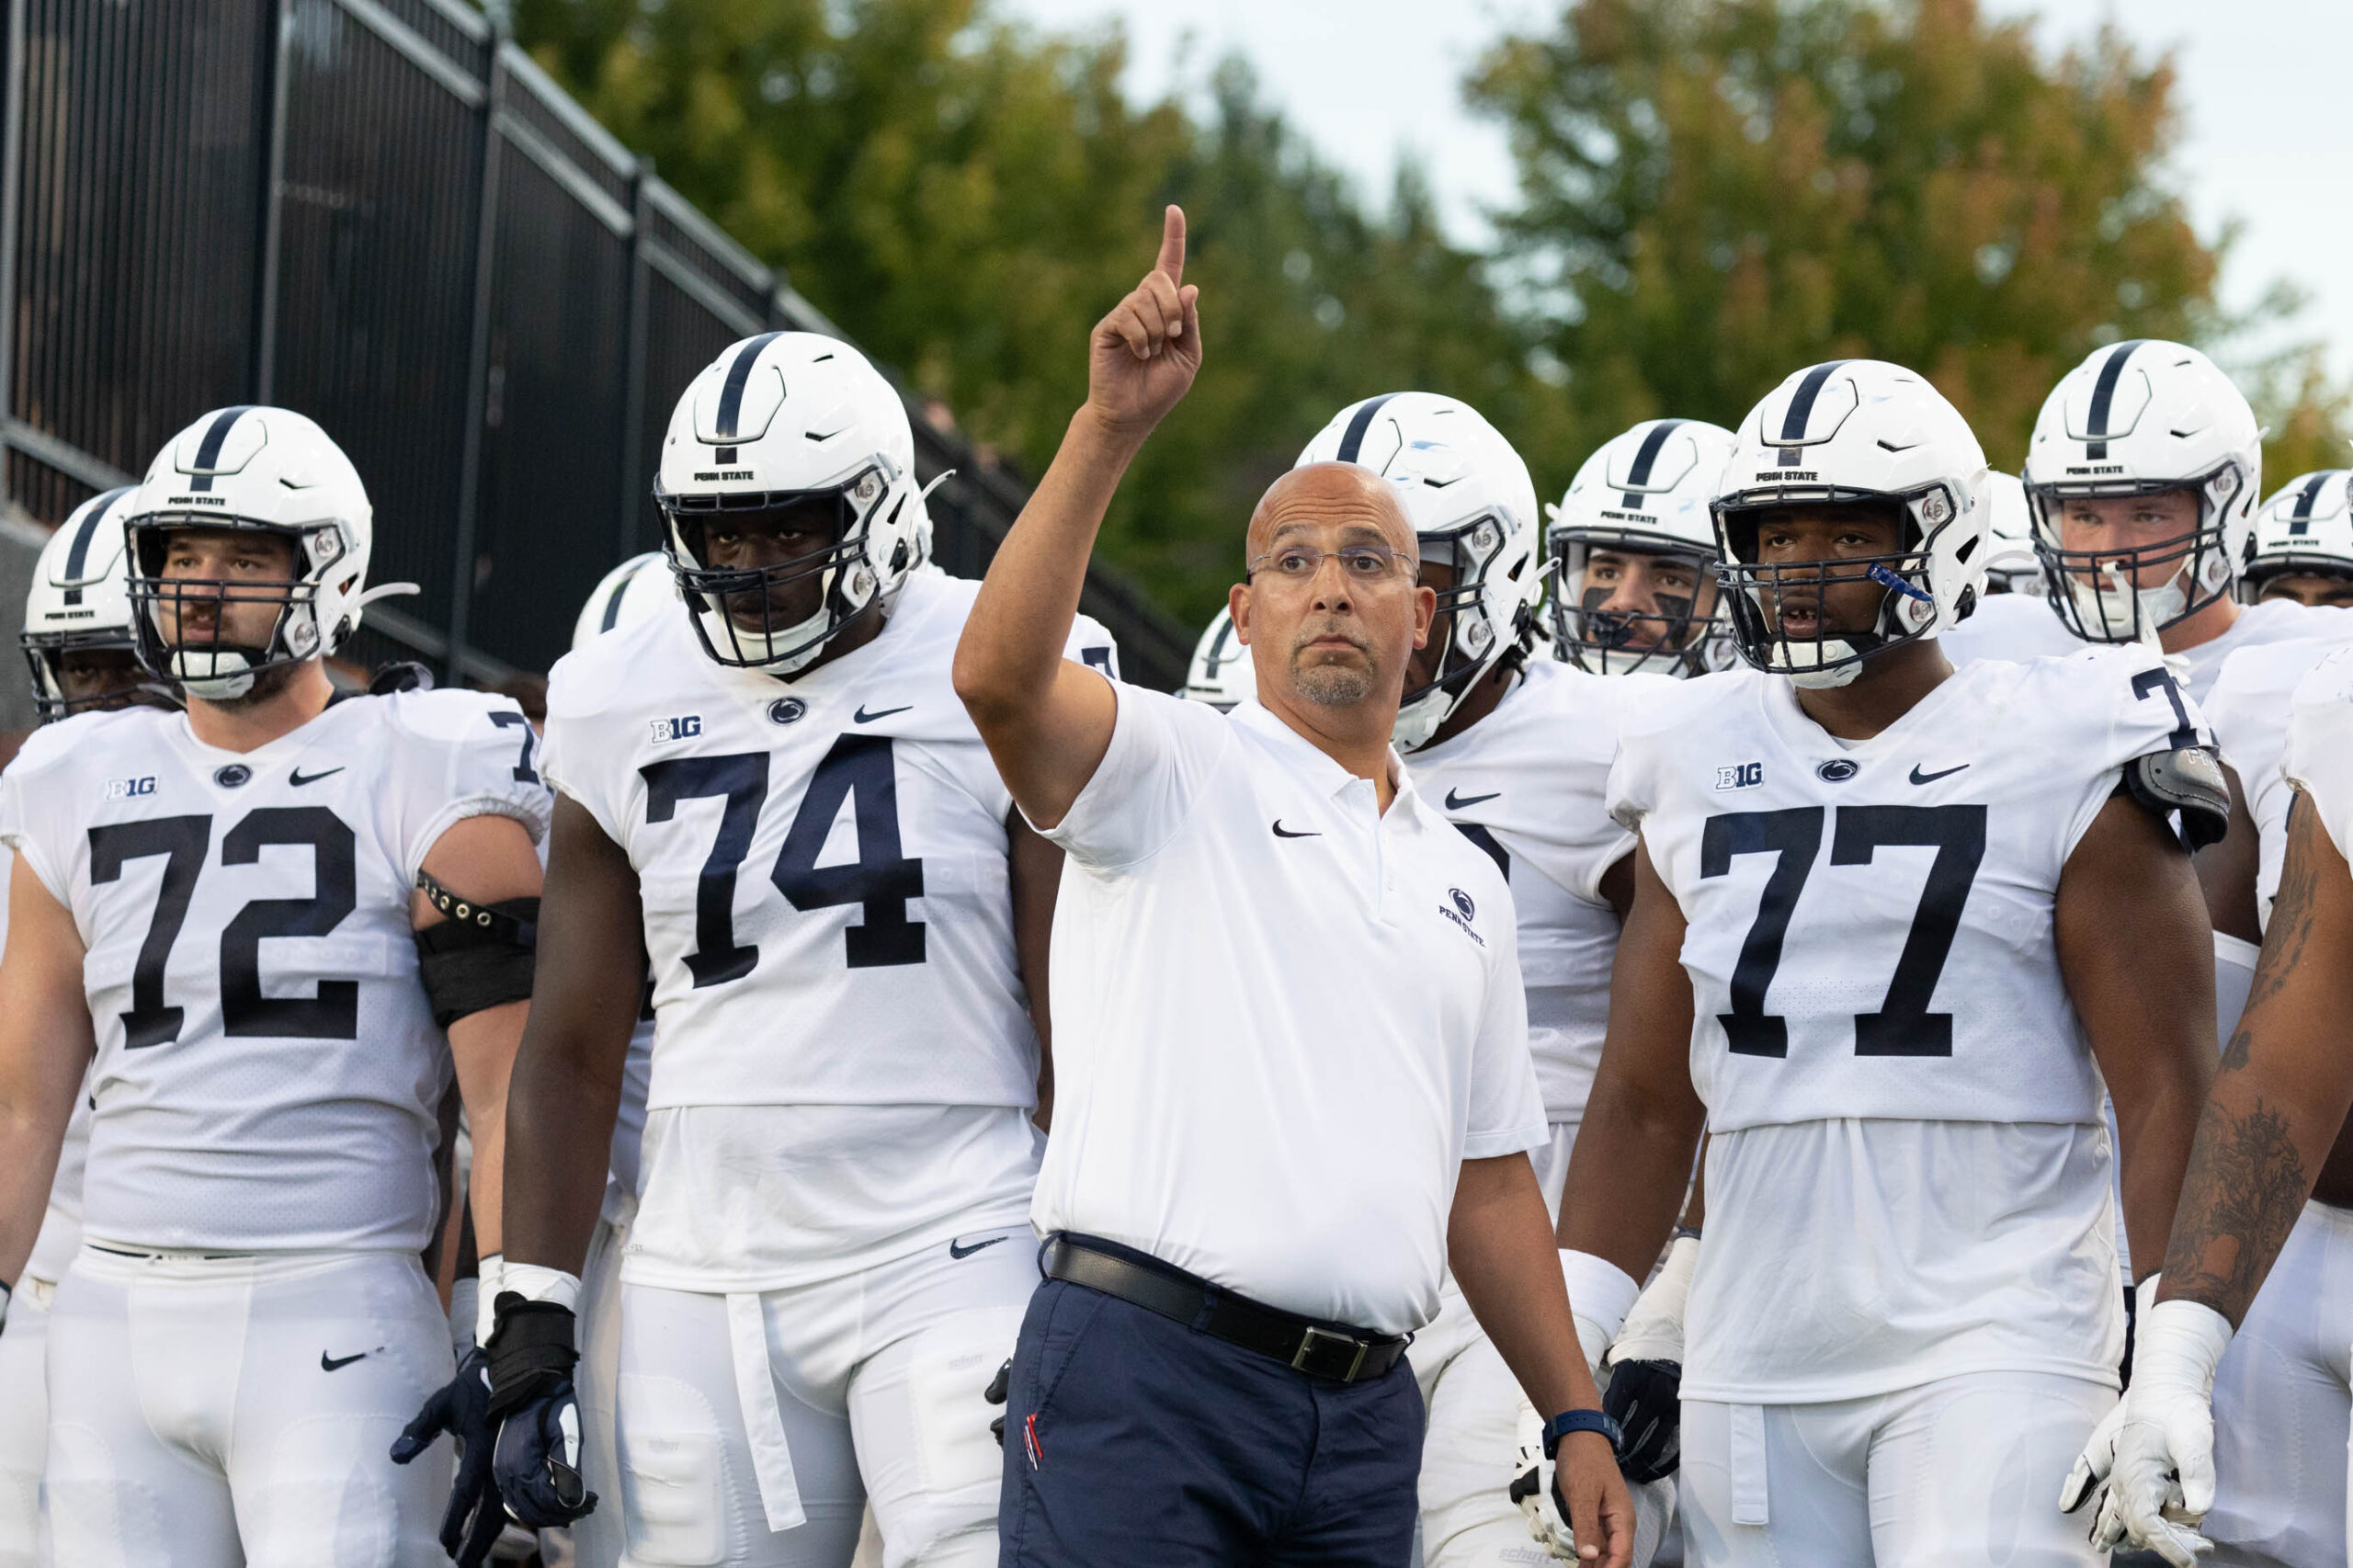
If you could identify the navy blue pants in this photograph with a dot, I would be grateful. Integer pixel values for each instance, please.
(1132, 1439)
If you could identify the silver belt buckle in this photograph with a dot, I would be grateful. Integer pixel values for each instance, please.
(1307, 1344)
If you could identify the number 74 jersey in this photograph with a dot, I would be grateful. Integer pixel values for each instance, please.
(822, 862)
(1869, 926)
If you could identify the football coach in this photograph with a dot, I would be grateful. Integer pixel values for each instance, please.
(1290, 1044)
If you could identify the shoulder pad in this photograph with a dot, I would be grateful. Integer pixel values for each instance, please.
(2188, 780)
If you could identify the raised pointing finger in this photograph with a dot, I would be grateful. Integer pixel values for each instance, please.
(1172, 243)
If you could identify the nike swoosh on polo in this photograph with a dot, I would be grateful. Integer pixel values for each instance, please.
(1455, 802)
(298, 778)
(1920, 778)
(331, 1363)
(863, 717)
(1283, 831)
(955, 1250)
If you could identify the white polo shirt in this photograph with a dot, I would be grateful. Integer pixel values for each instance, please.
(1282, 1018)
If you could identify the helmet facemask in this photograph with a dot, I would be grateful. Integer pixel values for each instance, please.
(1755, 596)
(181, 624)
(739, 613)
(1676, 640)
(2095, 591)
(1463, 630)
(46, 653)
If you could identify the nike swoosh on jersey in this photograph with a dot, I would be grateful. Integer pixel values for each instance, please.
(956, 1251)
(298, 778)
(1920, 778)
(1455, 802)
(1283, 831)
(863, 717)
(331, 1363)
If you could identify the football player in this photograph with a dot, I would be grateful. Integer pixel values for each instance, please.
(1220, 672)
(772, 792)
(2302, 548)
(77, 641)
(2271, 1139)
(1880, 905)
(2142, 476)
(243, 912)
(1635, 553)
(1517, 750)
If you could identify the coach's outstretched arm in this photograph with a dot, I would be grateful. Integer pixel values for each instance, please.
(1048, 721)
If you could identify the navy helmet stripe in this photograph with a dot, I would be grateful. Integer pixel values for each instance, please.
(730, 394)
(216, 435)
(1352, 440)
(613, 602)
(1793, 424)
(2111, 370)
(78, 554)
(1646, 458)
(2310, 495)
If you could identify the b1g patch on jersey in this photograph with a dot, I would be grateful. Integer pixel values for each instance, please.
(1741, 775)
(683, 728)
(129, 789)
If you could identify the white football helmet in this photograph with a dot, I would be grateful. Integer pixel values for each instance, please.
(1473, 506)
(80, 603)
(252, 467)
(2134, 419)
(638, 590)
(2306, 530)
(2012, 567)
(780, 420)
(1846, 432)
(1221, 674)
(1645, 492)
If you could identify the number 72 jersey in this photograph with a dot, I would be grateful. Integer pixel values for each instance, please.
(1869, 926)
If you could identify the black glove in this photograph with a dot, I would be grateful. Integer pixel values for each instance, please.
(1646, 1398)
(462, 1408)
(997, 1393)
(536, 1456)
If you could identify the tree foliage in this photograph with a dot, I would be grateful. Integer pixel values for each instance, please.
(1712, 193)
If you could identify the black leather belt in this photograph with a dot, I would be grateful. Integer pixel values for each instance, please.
(1332, 1351)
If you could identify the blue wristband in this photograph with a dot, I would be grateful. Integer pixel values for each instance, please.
(1570, 1421)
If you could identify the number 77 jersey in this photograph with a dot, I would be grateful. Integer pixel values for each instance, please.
(1870, 925)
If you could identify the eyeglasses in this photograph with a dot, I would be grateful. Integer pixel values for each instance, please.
(1359, 562)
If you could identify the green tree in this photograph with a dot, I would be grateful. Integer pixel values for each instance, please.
(1716, 192)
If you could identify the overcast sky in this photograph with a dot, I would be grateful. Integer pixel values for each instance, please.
(2264, 83)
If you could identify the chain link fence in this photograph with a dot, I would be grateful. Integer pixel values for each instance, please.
(382, 214)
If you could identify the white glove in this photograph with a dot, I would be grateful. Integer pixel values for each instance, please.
(1601, 1295)
(2087, 1481)
(1531, 1488)
(2160, 1466)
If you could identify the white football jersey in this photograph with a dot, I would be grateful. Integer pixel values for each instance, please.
(824, 871)
(2249, 710)
(1525, 785)
(2024, 626)
(2320, 745)
(1910, 1171)
(268, 1071)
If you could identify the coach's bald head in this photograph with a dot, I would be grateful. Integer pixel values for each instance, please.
(1329, 643)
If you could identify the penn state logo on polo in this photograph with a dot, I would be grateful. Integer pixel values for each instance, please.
(1461, 909)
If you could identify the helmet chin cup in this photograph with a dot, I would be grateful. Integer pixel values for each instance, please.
(1839, 661)
(2119, 604)
(1420, 719)
(784, 652)
(215, 675)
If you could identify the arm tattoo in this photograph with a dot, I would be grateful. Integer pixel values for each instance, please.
(2246, 1184)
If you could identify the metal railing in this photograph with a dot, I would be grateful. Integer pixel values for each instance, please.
(384, 214)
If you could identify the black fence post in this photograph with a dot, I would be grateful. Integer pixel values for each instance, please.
(634, 389)
(12, 167)
(461, 570)
(264, 373)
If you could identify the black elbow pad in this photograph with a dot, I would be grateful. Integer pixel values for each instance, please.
(2188, 780)
(478, 958)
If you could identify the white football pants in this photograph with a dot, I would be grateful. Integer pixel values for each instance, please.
(215, 1412)
(740, 1415)
(1956, 1473)
(24, 1422)
(1471, 1438)
(2283, 1403)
